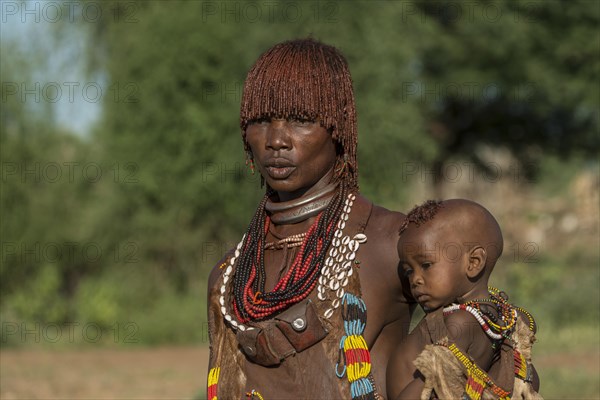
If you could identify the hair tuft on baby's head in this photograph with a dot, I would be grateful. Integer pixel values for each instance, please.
(421, 214)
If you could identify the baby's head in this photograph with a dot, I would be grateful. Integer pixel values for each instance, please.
(447, 251)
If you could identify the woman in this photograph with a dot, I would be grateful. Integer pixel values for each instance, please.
(287, 307)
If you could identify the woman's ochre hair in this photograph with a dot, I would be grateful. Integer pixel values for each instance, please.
(308, 80)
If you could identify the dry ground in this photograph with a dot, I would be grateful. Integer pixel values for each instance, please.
(159, 373)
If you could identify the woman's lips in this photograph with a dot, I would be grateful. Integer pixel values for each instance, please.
(279, 167)
(280, 172)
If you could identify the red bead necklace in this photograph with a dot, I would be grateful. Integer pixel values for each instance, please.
(300, 278)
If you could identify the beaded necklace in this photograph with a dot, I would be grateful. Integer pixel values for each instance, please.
(250, 302)
(506, 312)
(334, 275)
(287, 242)
(477, 379)
(500, 299)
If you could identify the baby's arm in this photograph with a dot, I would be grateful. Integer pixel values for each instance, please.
(413, 390)
(402, 376)
(470, 338)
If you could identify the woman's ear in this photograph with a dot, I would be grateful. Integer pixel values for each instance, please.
(477, 260)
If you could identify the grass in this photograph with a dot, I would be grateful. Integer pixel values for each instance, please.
(568, 362)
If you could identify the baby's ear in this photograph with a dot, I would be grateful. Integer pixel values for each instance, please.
(477, 260)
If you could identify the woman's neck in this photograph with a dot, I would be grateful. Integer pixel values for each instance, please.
(300, 208)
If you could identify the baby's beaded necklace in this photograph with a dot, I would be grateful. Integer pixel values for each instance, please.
(507, 314)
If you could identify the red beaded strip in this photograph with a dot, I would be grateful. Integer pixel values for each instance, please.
(520, 365)
(213, 380)
(474, 387)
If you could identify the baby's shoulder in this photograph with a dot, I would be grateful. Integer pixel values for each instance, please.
(464, 329)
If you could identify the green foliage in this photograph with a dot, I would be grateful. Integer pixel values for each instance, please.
(514, 74)
(563, 293)
(41, 299)
(568, 354)
(41, 226)
(151, 311)
(583, 383)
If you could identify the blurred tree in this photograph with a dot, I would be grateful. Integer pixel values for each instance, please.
(517, 75)
(45, 224)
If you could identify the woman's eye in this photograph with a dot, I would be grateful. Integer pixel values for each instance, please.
(259, 121)
(301, 121)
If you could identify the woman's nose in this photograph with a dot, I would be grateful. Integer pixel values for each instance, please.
(278, 136)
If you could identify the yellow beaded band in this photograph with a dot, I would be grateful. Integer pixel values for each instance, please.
(477, 375)
(213, 380)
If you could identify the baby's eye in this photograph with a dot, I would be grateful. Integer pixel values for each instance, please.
(407, 272)
(426, 265)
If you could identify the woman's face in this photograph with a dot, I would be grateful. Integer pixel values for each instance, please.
(292, 155)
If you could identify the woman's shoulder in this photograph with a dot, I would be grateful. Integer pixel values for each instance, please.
(218, 269)
(383, 220)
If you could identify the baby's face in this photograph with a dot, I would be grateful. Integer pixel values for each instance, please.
(434, 264)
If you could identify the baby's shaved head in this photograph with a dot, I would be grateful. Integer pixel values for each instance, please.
(476, 225)
(465, 221)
